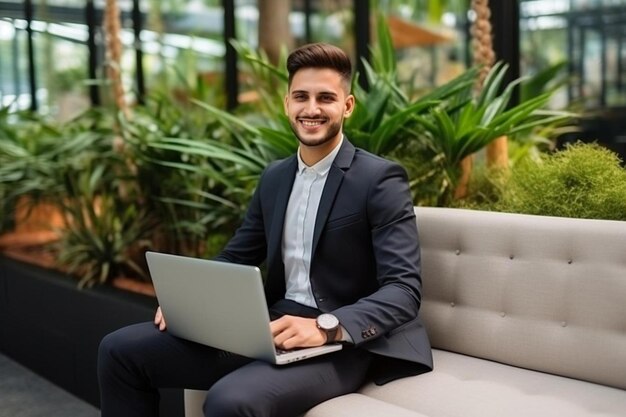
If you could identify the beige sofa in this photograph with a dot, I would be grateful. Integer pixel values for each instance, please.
(527, 317)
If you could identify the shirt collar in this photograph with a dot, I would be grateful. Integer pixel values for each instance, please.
(322, 166)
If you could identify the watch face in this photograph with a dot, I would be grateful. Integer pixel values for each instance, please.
(327, 321)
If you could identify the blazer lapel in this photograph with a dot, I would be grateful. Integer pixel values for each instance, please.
(335, 177)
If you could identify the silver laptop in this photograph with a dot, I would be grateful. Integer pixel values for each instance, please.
(221, 305)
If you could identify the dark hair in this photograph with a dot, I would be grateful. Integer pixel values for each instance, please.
(320, 55)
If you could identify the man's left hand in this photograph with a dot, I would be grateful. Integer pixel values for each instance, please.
(294, 332)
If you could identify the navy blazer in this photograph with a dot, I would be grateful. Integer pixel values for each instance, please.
(365, 264)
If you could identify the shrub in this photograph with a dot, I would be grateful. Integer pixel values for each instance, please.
(583, 181)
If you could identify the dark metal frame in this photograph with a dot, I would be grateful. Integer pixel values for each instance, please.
(139, 75)
(362, 37)
(506, 38)
(90, 18)
(230, 71)
(28, 14)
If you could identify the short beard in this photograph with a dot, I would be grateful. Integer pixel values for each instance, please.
(333, 131)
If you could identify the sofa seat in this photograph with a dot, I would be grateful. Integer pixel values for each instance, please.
(464, 386)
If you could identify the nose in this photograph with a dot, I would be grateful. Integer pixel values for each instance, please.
(312, 108)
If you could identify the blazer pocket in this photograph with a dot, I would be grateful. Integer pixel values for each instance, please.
(343, 221)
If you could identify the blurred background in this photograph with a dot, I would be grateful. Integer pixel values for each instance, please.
(52, 51)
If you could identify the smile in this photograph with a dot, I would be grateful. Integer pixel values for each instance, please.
(312, 123)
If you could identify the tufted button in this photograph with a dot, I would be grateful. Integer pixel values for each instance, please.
(511, 257)
(569, 261)
(503, 314)
(452, 304)
(458, 251)
(563, 324)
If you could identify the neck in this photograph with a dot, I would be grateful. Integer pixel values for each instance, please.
(311, 155)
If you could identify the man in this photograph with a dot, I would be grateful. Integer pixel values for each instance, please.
(336, 227)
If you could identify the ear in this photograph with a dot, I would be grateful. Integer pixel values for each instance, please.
(350, 103)
(286, 104)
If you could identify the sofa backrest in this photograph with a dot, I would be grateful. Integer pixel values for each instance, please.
(537, 292)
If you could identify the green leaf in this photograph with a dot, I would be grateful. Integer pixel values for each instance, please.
(386, 136)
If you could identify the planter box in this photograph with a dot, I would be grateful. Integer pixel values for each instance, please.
(50, 326)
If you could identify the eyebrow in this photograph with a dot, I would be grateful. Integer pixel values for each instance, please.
(328, 93)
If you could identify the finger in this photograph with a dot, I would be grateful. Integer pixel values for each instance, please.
(279, 325)
(281, 337)
(292, 342)
(158, 316)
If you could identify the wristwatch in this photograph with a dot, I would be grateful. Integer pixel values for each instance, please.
(329, 324)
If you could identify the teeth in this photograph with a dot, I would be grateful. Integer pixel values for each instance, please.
(311, 123)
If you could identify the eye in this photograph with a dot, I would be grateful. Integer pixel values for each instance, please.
(327, 98)
(299, 97)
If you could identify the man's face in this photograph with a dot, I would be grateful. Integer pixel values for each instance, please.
(316, 105)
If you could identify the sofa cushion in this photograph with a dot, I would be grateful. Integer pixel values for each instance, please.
(358, 405)
(464, 386)
(542, 293)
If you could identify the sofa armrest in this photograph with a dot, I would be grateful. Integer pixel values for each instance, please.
(193, 402)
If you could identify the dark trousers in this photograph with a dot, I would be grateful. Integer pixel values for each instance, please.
(135, 361)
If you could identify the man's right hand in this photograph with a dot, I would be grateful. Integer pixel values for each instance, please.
(159, 320)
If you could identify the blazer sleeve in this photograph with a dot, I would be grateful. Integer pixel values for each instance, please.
(248, 245)
(396, 250)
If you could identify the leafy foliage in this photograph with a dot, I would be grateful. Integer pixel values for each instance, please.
(583, 181)
(24, 138)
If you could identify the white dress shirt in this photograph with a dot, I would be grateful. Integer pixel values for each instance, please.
(299, 224)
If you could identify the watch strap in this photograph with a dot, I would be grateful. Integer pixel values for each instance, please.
(331, 335)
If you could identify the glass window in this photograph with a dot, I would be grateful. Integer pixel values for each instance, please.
(182, 44)
(589, 35)
(59, 57)
(14, 81)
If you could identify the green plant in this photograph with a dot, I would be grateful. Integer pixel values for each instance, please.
(193, 173)
(264, 79)
(549, 79)
(583, 181)
(104, 235)
(103, 242)
(27, 144)
(385, 117)
(468, 123)
(74, 167)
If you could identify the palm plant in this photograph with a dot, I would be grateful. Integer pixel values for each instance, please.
(467, 124)
(190, 173)
(384, 117)
(103, 235)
